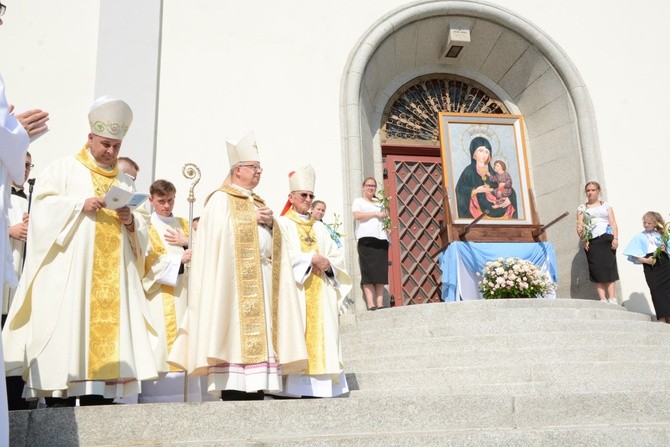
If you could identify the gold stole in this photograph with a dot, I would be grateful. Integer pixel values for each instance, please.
(167, 292)
(104, 318)
(249, 277)
(314, 337)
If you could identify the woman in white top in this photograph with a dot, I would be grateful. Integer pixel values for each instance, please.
(373, 244)
(597, 227)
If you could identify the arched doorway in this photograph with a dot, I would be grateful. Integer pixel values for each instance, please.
(509, 56)
(413, 177)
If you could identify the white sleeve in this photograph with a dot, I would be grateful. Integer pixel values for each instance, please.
(170, 275)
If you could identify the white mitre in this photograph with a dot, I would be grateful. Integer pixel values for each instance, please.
(245, 150)
(302, 179)
(110, 117)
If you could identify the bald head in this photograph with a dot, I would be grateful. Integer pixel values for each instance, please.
(128, 166)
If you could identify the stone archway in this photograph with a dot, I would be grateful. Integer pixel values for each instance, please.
(509, 56)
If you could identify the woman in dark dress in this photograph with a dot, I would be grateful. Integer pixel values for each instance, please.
(597, 227)
(649, 249)
(373, 244)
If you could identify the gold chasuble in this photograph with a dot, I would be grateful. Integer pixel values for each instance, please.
(243, 328)
(249, 277)
(321, 295)
(167, 291)
(314, 336)
(80, 323)
(103, 345)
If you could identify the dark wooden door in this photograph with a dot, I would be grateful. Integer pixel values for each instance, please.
(414, 185)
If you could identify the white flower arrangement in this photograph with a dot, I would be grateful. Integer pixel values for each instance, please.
(514, 278)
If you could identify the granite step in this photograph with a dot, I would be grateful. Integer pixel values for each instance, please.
(444, 377)
(308, 419)
(640, 435)
(569, 385)
(437, 357)
(442, 312)
(420, 331)
(371, 345)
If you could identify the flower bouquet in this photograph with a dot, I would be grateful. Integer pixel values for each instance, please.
(334, 230)
(384, 201)
(589, 225)
(665, 238)
(514, 278)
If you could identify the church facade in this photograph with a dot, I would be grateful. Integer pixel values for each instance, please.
(353, 88)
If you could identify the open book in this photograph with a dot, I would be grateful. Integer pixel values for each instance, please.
(118, 198)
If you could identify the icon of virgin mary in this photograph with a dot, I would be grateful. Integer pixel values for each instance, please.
(475, 187)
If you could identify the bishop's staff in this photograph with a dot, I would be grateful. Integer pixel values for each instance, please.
(191, 172)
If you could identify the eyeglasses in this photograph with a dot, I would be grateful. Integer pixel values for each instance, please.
(29, 166)
(304, 195)
(256, 168)
(370, 186)
(3, 8)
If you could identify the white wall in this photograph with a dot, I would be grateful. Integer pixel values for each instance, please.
(267, 67)
(128, 67)
(47, 58)
(228, 67)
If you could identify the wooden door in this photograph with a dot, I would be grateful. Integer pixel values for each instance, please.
(414, 184)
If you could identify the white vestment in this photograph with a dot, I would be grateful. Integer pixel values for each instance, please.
(68, 333)
(325, 377)
(165, 290)
(233, 315)
(15, 215)
(13, 146)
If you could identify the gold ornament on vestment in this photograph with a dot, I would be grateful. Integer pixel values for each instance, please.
(105, 292)
(249, 278)
(314, 329)
(167, 292)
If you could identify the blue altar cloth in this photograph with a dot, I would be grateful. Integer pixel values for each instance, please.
(461, 262)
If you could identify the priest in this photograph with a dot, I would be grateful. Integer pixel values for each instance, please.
(243, 328)
(322, 283)
(79, 324)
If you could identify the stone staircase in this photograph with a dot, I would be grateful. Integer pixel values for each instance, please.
(476, 373)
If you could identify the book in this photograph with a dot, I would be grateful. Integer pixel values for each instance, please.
(118, 198)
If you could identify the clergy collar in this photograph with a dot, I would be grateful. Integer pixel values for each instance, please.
(244, 191)
(304, 217)
(164, 219)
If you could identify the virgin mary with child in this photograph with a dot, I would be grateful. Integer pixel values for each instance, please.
(477, 183)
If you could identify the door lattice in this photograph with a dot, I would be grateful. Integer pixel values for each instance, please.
(416, 209)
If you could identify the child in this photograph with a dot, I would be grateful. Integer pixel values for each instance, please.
(504, 180)
(649, 249)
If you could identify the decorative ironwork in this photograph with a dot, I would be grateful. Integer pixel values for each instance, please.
(412, 112)
(418, 200)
